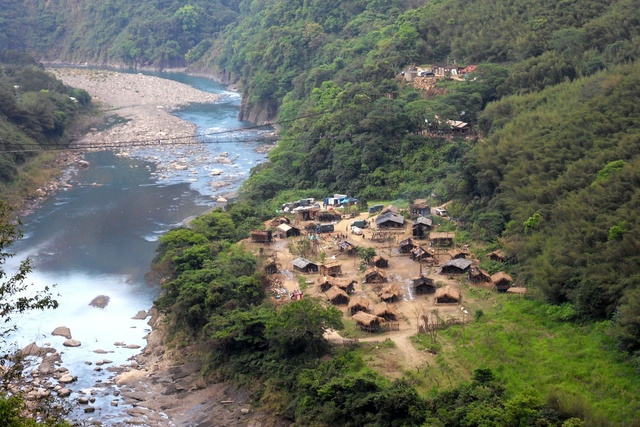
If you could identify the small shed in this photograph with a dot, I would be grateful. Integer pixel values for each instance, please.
(380, 262)
(421, 227)
(386, 311)
(286, 230)
(447, 295)
(456, 253)
(374, 275)
(331, 268)
(348, 248)
(423, 285)
(501, 281)
(441, 238)
(306, 213)
(407, 245)
(419, 253)
(420, 208)
(303, 265)
(456, 266)
(368, 322)
(261, 236)
(357, 304)
(390, 293)
(390, 220)
(337, 296)
(478, 275)
(271, 267)
(496, 255)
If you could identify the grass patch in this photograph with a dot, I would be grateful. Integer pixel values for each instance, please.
(528, 349)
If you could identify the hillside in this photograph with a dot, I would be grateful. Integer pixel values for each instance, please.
(545, 168)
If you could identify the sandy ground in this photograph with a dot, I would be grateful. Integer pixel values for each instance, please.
(402, 269)
(145, 101)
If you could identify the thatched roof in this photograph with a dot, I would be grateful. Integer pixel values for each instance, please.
(517, 290)
(335, 292)
(389, 292)
(367, 319)
(390, 208)
(458, 253)
(501, 276)
(447, 291)
(358, 302)
(434, 235)
(374, 275)
(479, 274)
(384, 310)
(496, 255)
(344, 284)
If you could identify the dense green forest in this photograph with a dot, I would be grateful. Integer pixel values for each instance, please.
(550, 172)
(36, 112)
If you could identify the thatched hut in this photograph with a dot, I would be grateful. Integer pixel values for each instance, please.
(423, 285)
(496, 255)
(358, 303)
(517, 290)
(501, 281)
(331, 268)
(390, 293)
(380, 262)
(406, 246)
(420, 254)
(261, 236)
(447, 295)
(420, 208)
(328, 216)
(478, 275)
(458, 253)
(386, 311)
(441, 238)
(368, 322)
(374, 275)
(456, 266)
(337, 296)
(303, 265)
(347, 285)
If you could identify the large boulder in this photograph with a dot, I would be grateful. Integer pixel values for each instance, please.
(62, 331)
(72, 343)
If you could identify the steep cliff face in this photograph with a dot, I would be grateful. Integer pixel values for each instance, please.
(260, 113)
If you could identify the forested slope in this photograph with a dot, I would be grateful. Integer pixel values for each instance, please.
(563, 168)
(36, 111)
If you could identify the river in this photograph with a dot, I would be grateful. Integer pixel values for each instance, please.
(99, 237)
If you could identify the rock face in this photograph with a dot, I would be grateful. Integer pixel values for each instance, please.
(62, 331)
(141, 315)
(266, 111)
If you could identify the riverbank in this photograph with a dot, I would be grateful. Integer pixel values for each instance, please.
(137, 107)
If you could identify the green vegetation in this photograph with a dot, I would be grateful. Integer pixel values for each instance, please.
(549, 175)
(36, 113)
